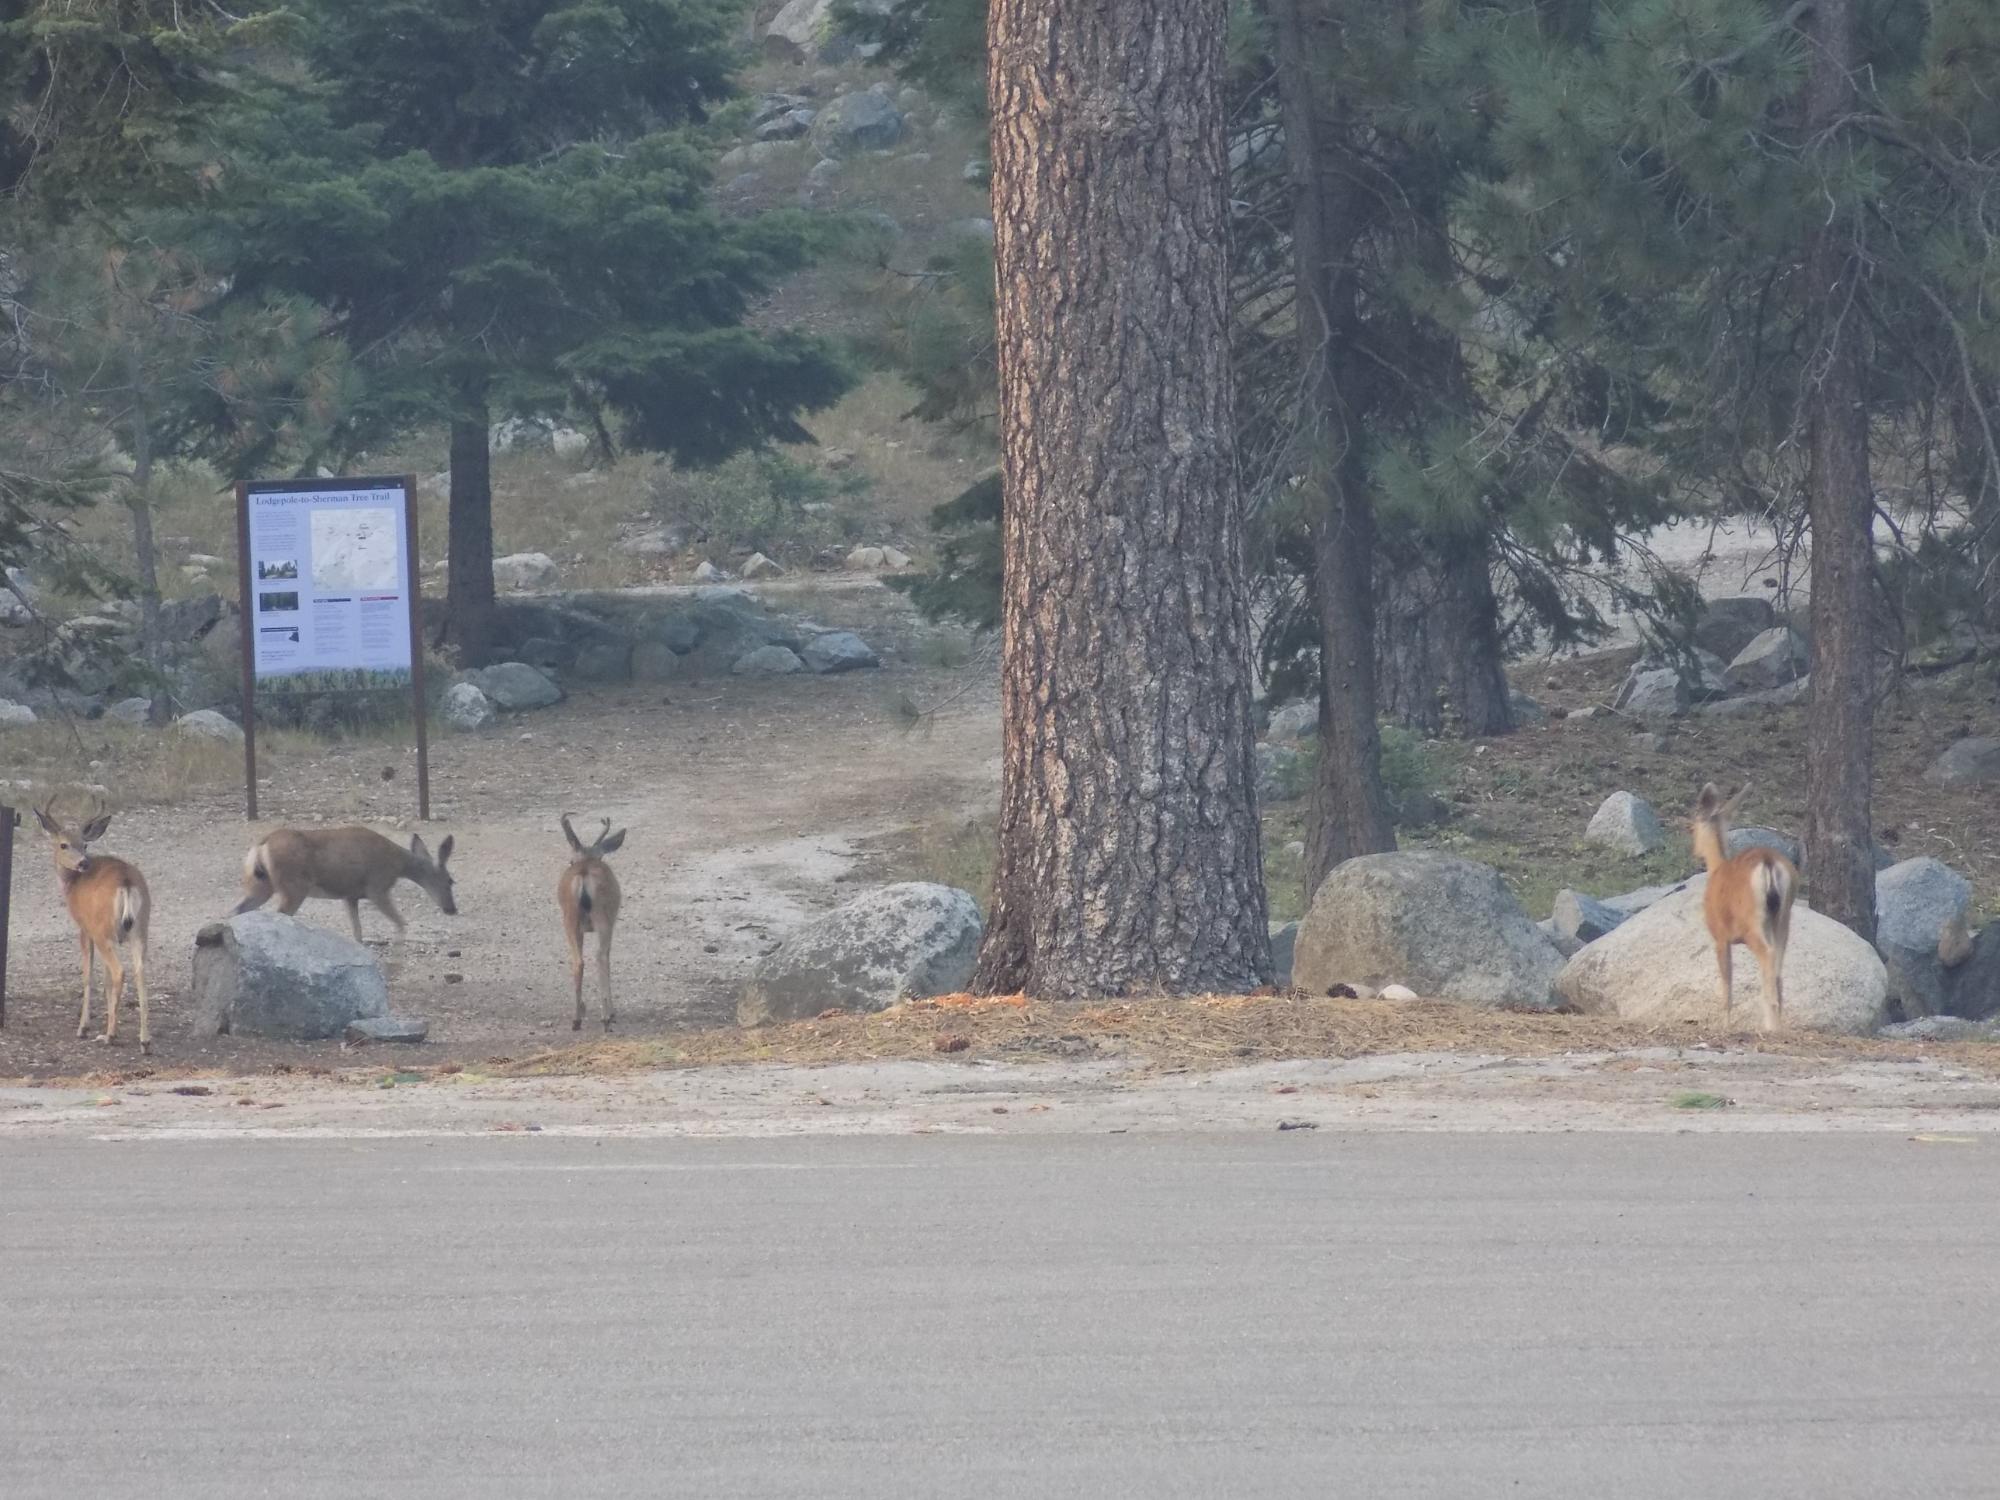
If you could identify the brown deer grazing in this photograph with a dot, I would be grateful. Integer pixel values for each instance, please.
(342, 864)
(108, 900)
(1748, 900)
(588, 896)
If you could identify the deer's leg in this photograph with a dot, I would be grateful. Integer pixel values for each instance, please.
(384, 905)
(139, 983)
(604, 973)
(573, 936)
(290, 904)
(1723, 963)
(1767, 971)
(114, 989)
(89, 954)
(354, 917)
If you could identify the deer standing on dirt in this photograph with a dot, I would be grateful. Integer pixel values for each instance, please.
(343, 864)
(108, 900)
(1748, 900)
(587, 896)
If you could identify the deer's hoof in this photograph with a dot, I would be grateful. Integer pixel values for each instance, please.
(145, 1049)
(576, 1025)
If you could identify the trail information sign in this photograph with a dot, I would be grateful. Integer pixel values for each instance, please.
(330, 598)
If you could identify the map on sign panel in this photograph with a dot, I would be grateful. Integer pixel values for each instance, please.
(354, 549)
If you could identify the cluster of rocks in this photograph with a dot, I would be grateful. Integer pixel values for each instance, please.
(87, 666)
(640, 637)
(1741, 655)
(537, 572)
(1450, 929)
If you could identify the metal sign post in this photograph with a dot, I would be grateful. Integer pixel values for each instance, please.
(331, 598)
(6, 896)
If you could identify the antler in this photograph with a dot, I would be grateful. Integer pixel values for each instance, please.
(570, 833)
(598, 842)
(1729, 807)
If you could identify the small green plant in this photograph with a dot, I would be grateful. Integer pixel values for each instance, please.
(1411, 776)
(1694, 1099)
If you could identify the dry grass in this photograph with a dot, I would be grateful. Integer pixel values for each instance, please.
(1204, 1033)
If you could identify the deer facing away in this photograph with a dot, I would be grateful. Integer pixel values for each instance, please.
(108, 900)
(588, 897)
(349, 865)
(1748, 900)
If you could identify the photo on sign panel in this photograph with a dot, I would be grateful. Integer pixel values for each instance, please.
(287, 602)
(354, 549)
(281, 568)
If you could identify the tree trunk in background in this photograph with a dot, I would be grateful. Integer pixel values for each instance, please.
(1350, 812)
(145, 554)
(469, 575)
(1980, 484)
(1840, 866)
(1130, 857)
(1438, 659)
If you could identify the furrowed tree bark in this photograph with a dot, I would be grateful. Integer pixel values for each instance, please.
(1840, 867)
(1129, 856)
(1350, 811)
(145, 552)
(469, 569)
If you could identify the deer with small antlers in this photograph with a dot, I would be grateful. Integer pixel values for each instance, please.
(110, 904)
(588, 897)
(1748, 900)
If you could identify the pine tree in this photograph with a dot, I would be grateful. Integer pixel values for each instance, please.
(1129, 854)
(506, 212)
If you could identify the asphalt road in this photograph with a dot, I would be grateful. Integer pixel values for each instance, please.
(1110, 1316)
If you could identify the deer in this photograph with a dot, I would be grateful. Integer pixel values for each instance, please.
(588, 897)
(108, 900)
(1748, 900)
(349, 865)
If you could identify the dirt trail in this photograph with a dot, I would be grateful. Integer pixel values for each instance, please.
(748, 801)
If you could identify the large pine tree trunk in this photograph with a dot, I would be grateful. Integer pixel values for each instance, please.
(1350, 812)
(1438, 659)
(1129, 845)
(1840, 867)
(469, 570)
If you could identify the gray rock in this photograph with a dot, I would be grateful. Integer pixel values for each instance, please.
(864, 559)
(977, 171)
(1939, 1029)
(1973, 987)
(1566, 946)
(1655, 693)
(838, 651)
(1773, 658)
(972, 229)
(655, 661)
(130, 711)
(1747, 703)
(1730, 623)
(1528, 714)
(906, 941)
(1284, 943)
(895, 559)
(605, 661)
(1448, 928)
(823, 173)
(796, 31)
(464, 707)
(524, 570)
(1280, 774)
(655, 543)
(387, 1029)
(858, 122)
(184, 621)
(1643, 897)
(514, 686)
(1582, 918)
(708, 572)
(760, 566)
(207, 724)
(1970, 762)
(767, 661)
(266, 975)
(788, 126)
(1294, 724)
(1651, 743)
(1763, 838)
(15, 715)
(1658, 967)
(1625, 824)
(1917, 903)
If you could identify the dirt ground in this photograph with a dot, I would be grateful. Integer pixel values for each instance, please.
(751, 803)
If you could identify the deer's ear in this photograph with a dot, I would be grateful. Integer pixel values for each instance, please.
(1706, 803)
(444, 851)
(612, 843)
(94, 829)
(417, 846)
